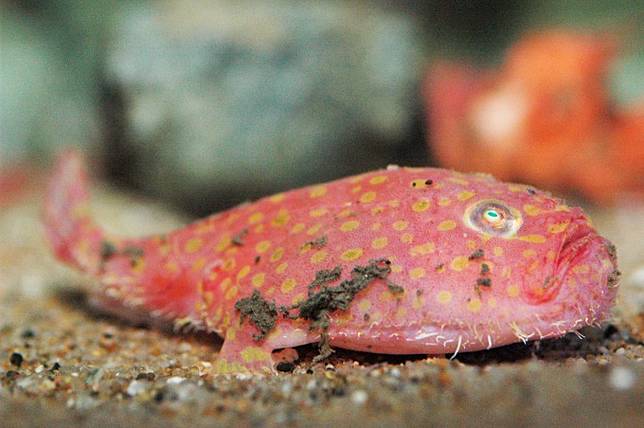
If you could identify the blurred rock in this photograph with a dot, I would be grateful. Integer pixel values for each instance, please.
(228, 100)
(48, 76)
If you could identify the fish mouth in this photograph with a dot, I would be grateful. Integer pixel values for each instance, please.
(586, 258)
(575, 247)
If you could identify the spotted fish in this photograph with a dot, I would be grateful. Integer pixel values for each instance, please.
(402, 260)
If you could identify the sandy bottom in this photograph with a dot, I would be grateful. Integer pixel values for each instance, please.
(62, 364)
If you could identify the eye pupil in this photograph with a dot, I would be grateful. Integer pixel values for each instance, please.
(493, 214)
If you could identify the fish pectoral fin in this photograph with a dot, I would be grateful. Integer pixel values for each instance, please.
(242, 353)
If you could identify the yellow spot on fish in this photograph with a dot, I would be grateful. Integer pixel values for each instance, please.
(208, 298)
(346, 213)
(529, 253)
(420, 205)
(199, 264)
(474, 305)
(443, 201)
(379, 179)
(446, 225)
(491, 302)
(255, 218)
(531, 210)
(258, 279)
(352, 254)
(349, 226)
(193, 245)
(533, 266)
(379, 243)
(558, 227)
(262, 246)
(204, 227)
(225, 283)
(534, 239)
(400, 225)
(279, 197)
(459, 263)
(444, 297)
(377, 210)
(471, 244)
(396, 268)
(368, 197)
(406, 238)
(417, 303)
(423, 249)
(252, 354)
(394, 203)
(281, 268)
(298, 298)
(259, 228)
(229, 264)
(314, 229)
(281, 218)
(317, 191)
(376, 226)
(318, 212)
(288, 285)
(318, 256)
(386, 296)
(232, 333)
(550, 255)
(376, 316)
(356, 189)
(171, 267)
(364, 305)
(498, 251)
(223, 243)
(277, 254)
(298, 228)
(356, 179)
(513, 291)
(401, 312)
(417, 273)
(465, 195)
(419, 183)
(231, 293)
(139, 265)
(581, 269)
(243, 272)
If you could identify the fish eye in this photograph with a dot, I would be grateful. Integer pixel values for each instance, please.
(493, 217)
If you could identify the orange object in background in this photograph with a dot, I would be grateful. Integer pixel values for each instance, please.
(544, 118)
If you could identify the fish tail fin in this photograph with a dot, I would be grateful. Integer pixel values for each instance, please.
(71, 232)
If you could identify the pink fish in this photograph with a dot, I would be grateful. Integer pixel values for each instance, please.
(398, 261)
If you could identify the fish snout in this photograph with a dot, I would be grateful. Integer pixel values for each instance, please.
(586, 270)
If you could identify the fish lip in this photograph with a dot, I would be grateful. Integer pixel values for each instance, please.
(574, 247)
(579, 245)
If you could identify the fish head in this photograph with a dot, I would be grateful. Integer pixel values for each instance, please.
(506, 262)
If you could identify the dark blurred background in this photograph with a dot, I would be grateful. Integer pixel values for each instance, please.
(206, 104)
